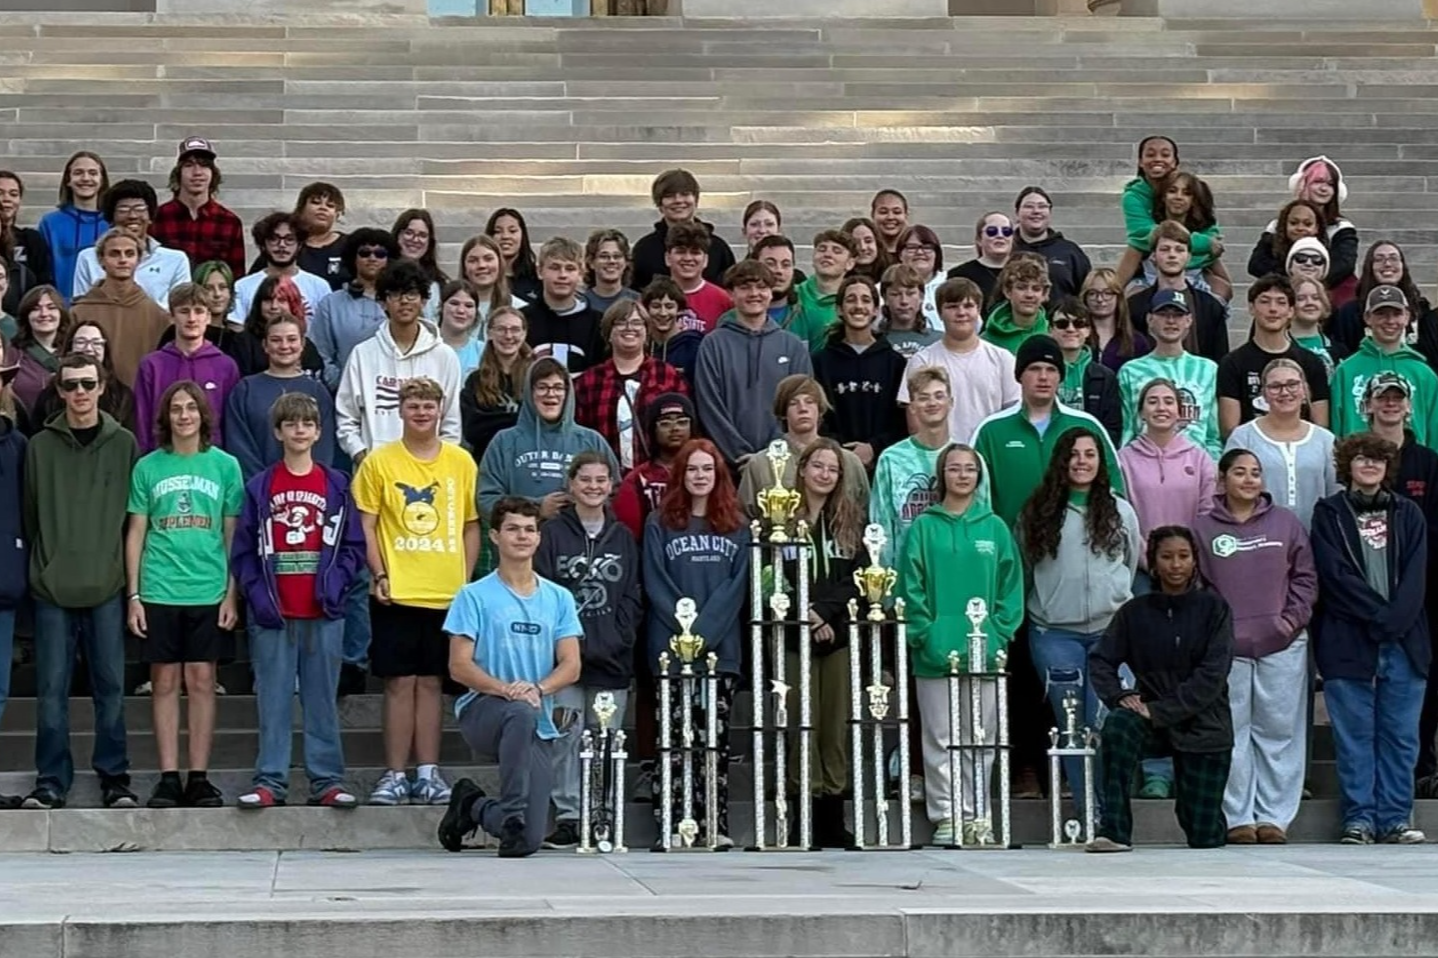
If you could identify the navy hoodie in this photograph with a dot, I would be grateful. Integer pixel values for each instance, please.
(14, 552)
(697, 563)
(250, 438)
(863, 391)
(602, 572)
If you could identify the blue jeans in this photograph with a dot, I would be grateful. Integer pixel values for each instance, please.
(58, 632)
(1375, 734)
(311, 650)
(356, 621)
(1061, 661)
(7, 654)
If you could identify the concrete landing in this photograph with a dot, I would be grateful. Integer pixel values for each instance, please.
(1312, 901)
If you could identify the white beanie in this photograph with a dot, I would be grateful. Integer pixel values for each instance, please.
(1307, 244)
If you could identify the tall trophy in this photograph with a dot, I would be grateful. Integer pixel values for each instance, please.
(869, 705)
(686, 648)
(602, 757)
(774, 612)
(983, 695)
(1077, 743)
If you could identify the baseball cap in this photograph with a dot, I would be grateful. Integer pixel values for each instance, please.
(1385, 297)
(1385, 381)
(196, 144)
(1170, 299)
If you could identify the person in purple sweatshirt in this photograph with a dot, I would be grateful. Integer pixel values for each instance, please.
(1256, 555)
(191, 356)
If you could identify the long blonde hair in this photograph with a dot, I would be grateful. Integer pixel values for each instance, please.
(499, 294)
(488, 378)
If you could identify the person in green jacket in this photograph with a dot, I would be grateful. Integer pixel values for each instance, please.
(957, 552)
(834, 255)
(1385, 350)
(1023, 290)
(1019, 441)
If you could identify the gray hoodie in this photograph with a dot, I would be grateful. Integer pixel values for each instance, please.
(531, 458)
(1078, 590)
(735, 376)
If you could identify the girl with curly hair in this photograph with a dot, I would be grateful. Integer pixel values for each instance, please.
(1081, 546)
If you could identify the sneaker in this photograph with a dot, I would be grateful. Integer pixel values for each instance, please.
(1269, 834)
(511, 840)
(42, 799)
(457, 823)
(430, 791)
(1243, 835)
(257, 798)
(393, 789)
(943, 834)
(8, 802)
(114, 794)
(167, 793)
(1103, 845)
(202, 793)
(565, 835)
(335, 796)
(1154, 787)
(979, 832)
(352, 681)
(723, 842)
(144, 688)
(1356, 835)
(916, 789)
(220, 689)
(1403, 834)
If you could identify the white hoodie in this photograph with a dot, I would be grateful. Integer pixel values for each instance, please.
(367, 404)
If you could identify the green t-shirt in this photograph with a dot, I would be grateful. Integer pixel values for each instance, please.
(185, 500)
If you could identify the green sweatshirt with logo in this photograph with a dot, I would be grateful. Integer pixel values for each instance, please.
(1351, 377)
(1000, 329)
(1019, 453)
(815, 314)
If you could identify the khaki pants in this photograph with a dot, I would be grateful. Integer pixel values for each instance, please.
(829, 703)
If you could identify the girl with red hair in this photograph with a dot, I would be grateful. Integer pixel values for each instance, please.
(696, 546)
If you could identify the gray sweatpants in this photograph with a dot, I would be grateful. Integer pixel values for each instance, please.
(507, 730)
(975, 766)
(1269, 700)
(578, 701)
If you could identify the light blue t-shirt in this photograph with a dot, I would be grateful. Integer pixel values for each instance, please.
(514, 636)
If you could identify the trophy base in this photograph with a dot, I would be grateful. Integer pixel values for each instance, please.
(1066, 846)
(916, 846)
(659, 848)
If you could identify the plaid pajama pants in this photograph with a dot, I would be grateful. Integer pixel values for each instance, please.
(1199, 780)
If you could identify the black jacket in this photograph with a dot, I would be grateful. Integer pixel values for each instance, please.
(1068, 264)
(572, 338)
(1340, 239)
(1353, 619)
(1209, 333)
(649, 256)
(1101, 399)
(863, 391)
(1179, 648)
(831, 586)
(14, 551)
(480, 424)
(603, 575)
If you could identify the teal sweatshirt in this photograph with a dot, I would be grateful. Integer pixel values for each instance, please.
(905, 485)
(1197, 380)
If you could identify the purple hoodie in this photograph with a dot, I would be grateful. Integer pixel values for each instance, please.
(1246, 561)
(215, 372)
(1167, 486)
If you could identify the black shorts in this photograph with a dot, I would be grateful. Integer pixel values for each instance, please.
(184, 633)
(407, 640)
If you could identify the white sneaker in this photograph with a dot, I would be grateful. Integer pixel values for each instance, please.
(144, 688)
(392, 789)
(943, 833)
(430, 791)
(723, 841)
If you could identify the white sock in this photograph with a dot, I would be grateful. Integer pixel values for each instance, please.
(426, 772)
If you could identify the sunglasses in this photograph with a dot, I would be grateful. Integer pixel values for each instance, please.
(70, 385)
(992, 231)
(1066, 323)
(1309, 259)
(372, 252)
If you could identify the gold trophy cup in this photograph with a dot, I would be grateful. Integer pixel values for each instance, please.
(875, 582)
(777, 503)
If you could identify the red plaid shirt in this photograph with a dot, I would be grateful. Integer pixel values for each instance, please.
(216, 233)
(598, 390)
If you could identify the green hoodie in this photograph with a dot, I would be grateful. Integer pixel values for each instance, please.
(815, 314)
(1000, 329)
(947, 561)
(1138, 203)
(75, 501)
(1351, 377)
(1019, 455)
(1071, 389)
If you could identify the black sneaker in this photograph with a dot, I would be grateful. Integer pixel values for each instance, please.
(565, 835)
(115, 794)
(511, 840)
(202, 793)
(168, 793)
(8, 802)
(42, 799)
(457, 825)
(353, 680)
(1356, 835)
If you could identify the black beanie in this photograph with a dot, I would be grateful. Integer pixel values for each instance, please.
(1038, 349)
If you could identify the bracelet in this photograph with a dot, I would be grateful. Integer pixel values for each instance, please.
(379, 575)
(134, 597)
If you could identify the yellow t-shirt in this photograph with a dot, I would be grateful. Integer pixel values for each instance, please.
(422, 508)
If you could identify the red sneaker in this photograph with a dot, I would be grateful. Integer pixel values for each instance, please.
(257, 798)
(335, 797)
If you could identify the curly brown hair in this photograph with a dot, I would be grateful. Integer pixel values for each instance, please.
(1369, 446)
(1042, 518)
(1281, 243)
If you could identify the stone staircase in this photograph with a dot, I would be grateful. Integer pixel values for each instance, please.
(570, 120)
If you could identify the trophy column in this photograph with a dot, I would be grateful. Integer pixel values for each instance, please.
(601, 782)
(981, 692)
(680, 714)
(1080, 743)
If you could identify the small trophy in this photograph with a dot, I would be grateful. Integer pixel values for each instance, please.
(602, 759)
(686, 645)
(875, 582)
(778, 503)
(1080, 743)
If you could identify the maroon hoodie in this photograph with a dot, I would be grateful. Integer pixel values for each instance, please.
(1264, 568)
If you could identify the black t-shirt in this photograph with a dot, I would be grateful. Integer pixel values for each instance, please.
(1240, 376)
(987, 277)
(85, 435)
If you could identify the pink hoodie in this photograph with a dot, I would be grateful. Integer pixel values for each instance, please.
(1167, 486)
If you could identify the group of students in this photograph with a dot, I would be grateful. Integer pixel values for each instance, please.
(551, 450)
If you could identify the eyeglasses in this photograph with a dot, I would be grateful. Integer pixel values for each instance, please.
(409, 296)
(1309, 259)
(70, 385)
(917, 248)
(1388, 259)
(963, 469)
(557, 389)
(992, 231)
(372, 252)
(506, 330)
(1369, 461)
(135, 210)
(414, 236)
(1100, 294)
(283, 239)
(1066, 323)
(674, 421)
(1292, 386)
(87, 342)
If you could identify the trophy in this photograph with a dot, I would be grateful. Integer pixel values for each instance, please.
(874, 581)
(1079, 744)
(778, 503)
(971, 758)
(686, 647)
(774, 615)
(602, 757)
